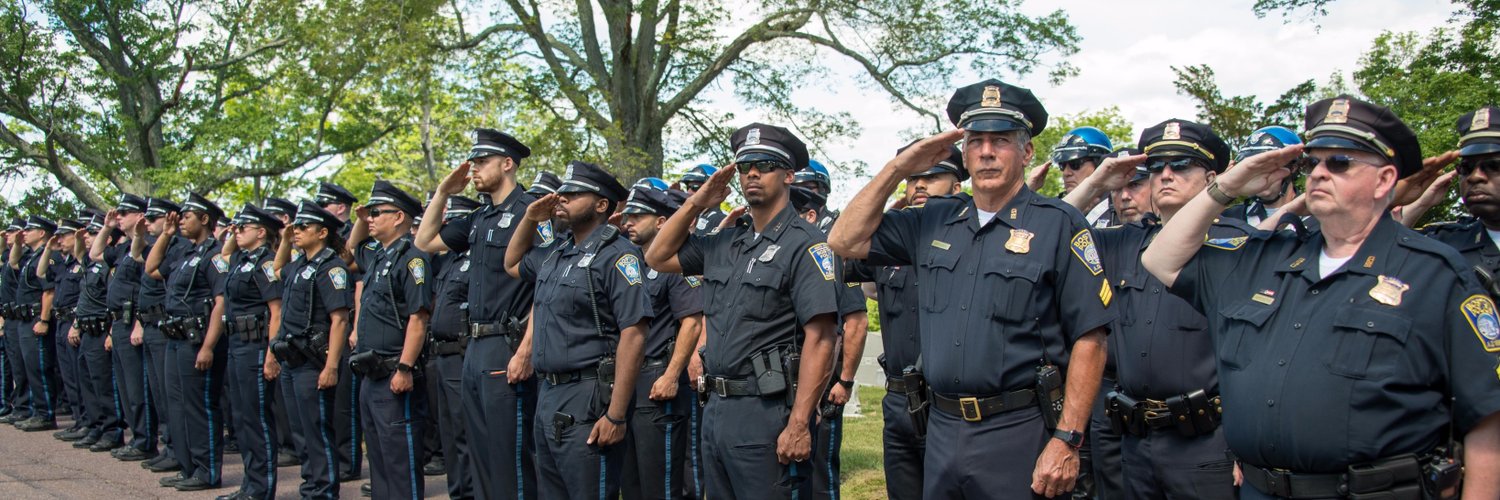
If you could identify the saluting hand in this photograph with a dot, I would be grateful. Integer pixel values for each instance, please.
(1117, 171)
(112, 219)
(715, 190)
(1037, 177)
(1412, 187)
(924, 154)
(456, 180)
(733, 215)
(1258, 172)
(540, 211)
(170, 229)
(138, 229)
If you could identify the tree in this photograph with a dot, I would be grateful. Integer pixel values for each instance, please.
(1235, 117)
(159, 96)
(633, 73)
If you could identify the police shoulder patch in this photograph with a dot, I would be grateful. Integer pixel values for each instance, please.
(418, 268)
(693, 281)
(270, 269)
(1087, 253)
(629, 267)
(1480, 311)
(544, 231)
(373, 245)
(1225, 243)
(339, 277)
(822, 255)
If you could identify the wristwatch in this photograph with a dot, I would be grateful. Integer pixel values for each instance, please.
(848, 384)
(1073, 439)
(404, 368)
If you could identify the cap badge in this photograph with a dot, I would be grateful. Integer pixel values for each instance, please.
(1338, 112)
(752, 137)
(1481, 120)
(991, 97)
(1172, 132)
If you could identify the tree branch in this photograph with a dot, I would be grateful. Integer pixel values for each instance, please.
(880, 77)
(777, 25)
(236, 59)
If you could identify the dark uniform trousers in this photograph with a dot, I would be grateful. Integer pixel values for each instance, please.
(255, 429)
(348, 430)
(20, 396)
(41, 370)
(656, 459)
(904, 450)
(395, 445)
(739, 449)
(67, 367)
(563, 455)
(198, 424)
(445, 377)
(497, 419)
(311, 414)
(132, 388)
(828, 438)
(156, 358)
(95, 372)
(992, 458)
(1103, 444)
(288, 437)
(1164, 464)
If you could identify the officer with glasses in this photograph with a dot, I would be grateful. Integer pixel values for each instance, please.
(1352, 360)
(1476, 235)
(691, 182)
(1077, 156)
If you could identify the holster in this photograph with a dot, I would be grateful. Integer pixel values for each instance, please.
(288, 353)
(372, 366)
(770, 377)
(249, 327)
(1124, 414)
(93, 326)
(1193, 414)
(918, 402)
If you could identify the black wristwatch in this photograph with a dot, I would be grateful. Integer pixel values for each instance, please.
(848, 384)
(1073, 439)
(405, 368)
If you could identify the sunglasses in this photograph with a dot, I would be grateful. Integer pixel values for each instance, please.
(303, 226)
(762, 166)
(692, 186)
(242, 227)
(1076, 164)
(1181, 165)
(1336, 163)
(377, 212)
(1490, 167)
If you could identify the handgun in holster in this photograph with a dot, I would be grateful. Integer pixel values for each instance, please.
(1394, 478)
(515, 328)
(702, 389)
(561, 422)
(1049, 394)
(1124, 414)
(917, 403)
(1199, 412)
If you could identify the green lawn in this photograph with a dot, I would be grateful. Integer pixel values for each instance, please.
(861, 461)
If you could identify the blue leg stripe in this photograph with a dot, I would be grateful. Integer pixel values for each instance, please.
(693, 449)
(833, 475)
(667, 478)
(265, 427)
(520, 443)
(208, 407)
(323, 421)
(411, 449)
(602, 472)
(41, 361)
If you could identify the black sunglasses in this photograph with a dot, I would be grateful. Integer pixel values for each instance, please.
(377, 212)
(1490, 167)
(1336, 163)
(1180, 165)
(762, 166)
(692, 186)
(1075, 164)
(302, 226)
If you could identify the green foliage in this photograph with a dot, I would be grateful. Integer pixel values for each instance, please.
(1235, 117)
(874, 310)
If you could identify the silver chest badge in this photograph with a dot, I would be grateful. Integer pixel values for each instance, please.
(770, 253)
(506, 219)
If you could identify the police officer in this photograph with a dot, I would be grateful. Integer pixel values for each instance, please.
(104, 425)
(305, 352)
(150, 306)
(1168, 397)
(1015, 306)
(194, 329)
(772, 329)
(657, 461)
(1390, 326)
(289, 439)
(338, 201)
(1478, 174)
(591, 318)
(35, 293)
(13, 373)
(903, 438)
(1267, 204)
(816, 178)
(1077, 156)
(545, 183)
(251, 293)
(67, 270)
(393, 313)
(498, 397)
(281, 208)
(450, 324)
(692, 181)
(1132, 201)
(349, 431)
(127, 355)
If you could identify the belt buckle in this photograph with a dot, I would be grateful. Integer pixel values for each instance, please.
(964, 407)
(719, 386)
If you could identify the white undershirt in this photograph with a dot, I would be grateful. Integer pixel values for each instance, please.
(1494, 237)
(984, 217)
(1327, 265)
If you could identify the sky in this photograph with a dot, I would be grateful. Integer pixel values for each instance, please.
(1125, 60)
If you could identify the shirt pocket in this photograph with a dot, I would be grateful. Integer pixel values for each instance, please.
(1010, 285)
(938, 267)
(1127, 287)
(893, 286)
(1367, 342)
(764, 296)
(714, 293)
(1243, 321)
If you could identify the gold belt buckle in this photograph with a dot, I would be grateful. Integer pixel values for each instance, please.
(969, 407)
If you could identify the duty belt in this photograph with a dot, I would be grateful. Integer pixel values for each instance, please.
(63, 314)
(569, 377)
(449, 347)
(895, 384)
(482, 330)
(249, 327)
(153, 316)
(731, 387)
(974, 409)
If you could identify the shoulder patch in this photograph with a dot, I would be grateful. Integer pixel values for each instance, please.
(1480, 311)
(544, 231)
(339, 277)
(270, 269)
(1225, 243)
(822, 255)
(1087, 253)
(629, 267)
(693, 281)
(372, 245)
(418, 268)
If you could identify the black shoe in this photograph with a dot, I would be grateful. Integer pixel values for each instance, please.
(364, 490)
(130, 454)
(73, 434)
(434, 467)
(285, 459)
(37, 424)
(86, 442)
(172, 480)
(233, 446)
(194, 484)
(105, 445)
(12, 417)
(165, 465)
(237, 495)
(345, 477)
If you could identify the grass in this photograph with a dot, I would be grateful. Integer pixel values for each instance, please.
(861, 459)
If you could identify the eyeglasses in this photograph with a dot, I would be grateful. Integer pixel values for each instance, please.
(242, 227)
(1490, 167)
(1076, 164)
(1181, 165)
(302, 226)
(1336, 164)
(377, 212)
(762, 166)
(692, 186)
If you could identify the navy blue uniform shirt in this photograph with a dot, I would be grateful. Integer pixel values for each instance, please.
(313, 289)
(398, 284)
(251, 283)
(192, 279)
(586, 294)
(484, 234)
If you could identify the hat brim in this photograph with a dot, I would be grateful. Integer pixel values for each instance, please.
(1339, 142)
(1477, 148)
(630, 209)
(753, 156)
(575, 188)
(939, 170)
(1069, 155)
(993, 125)
(540, 190)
